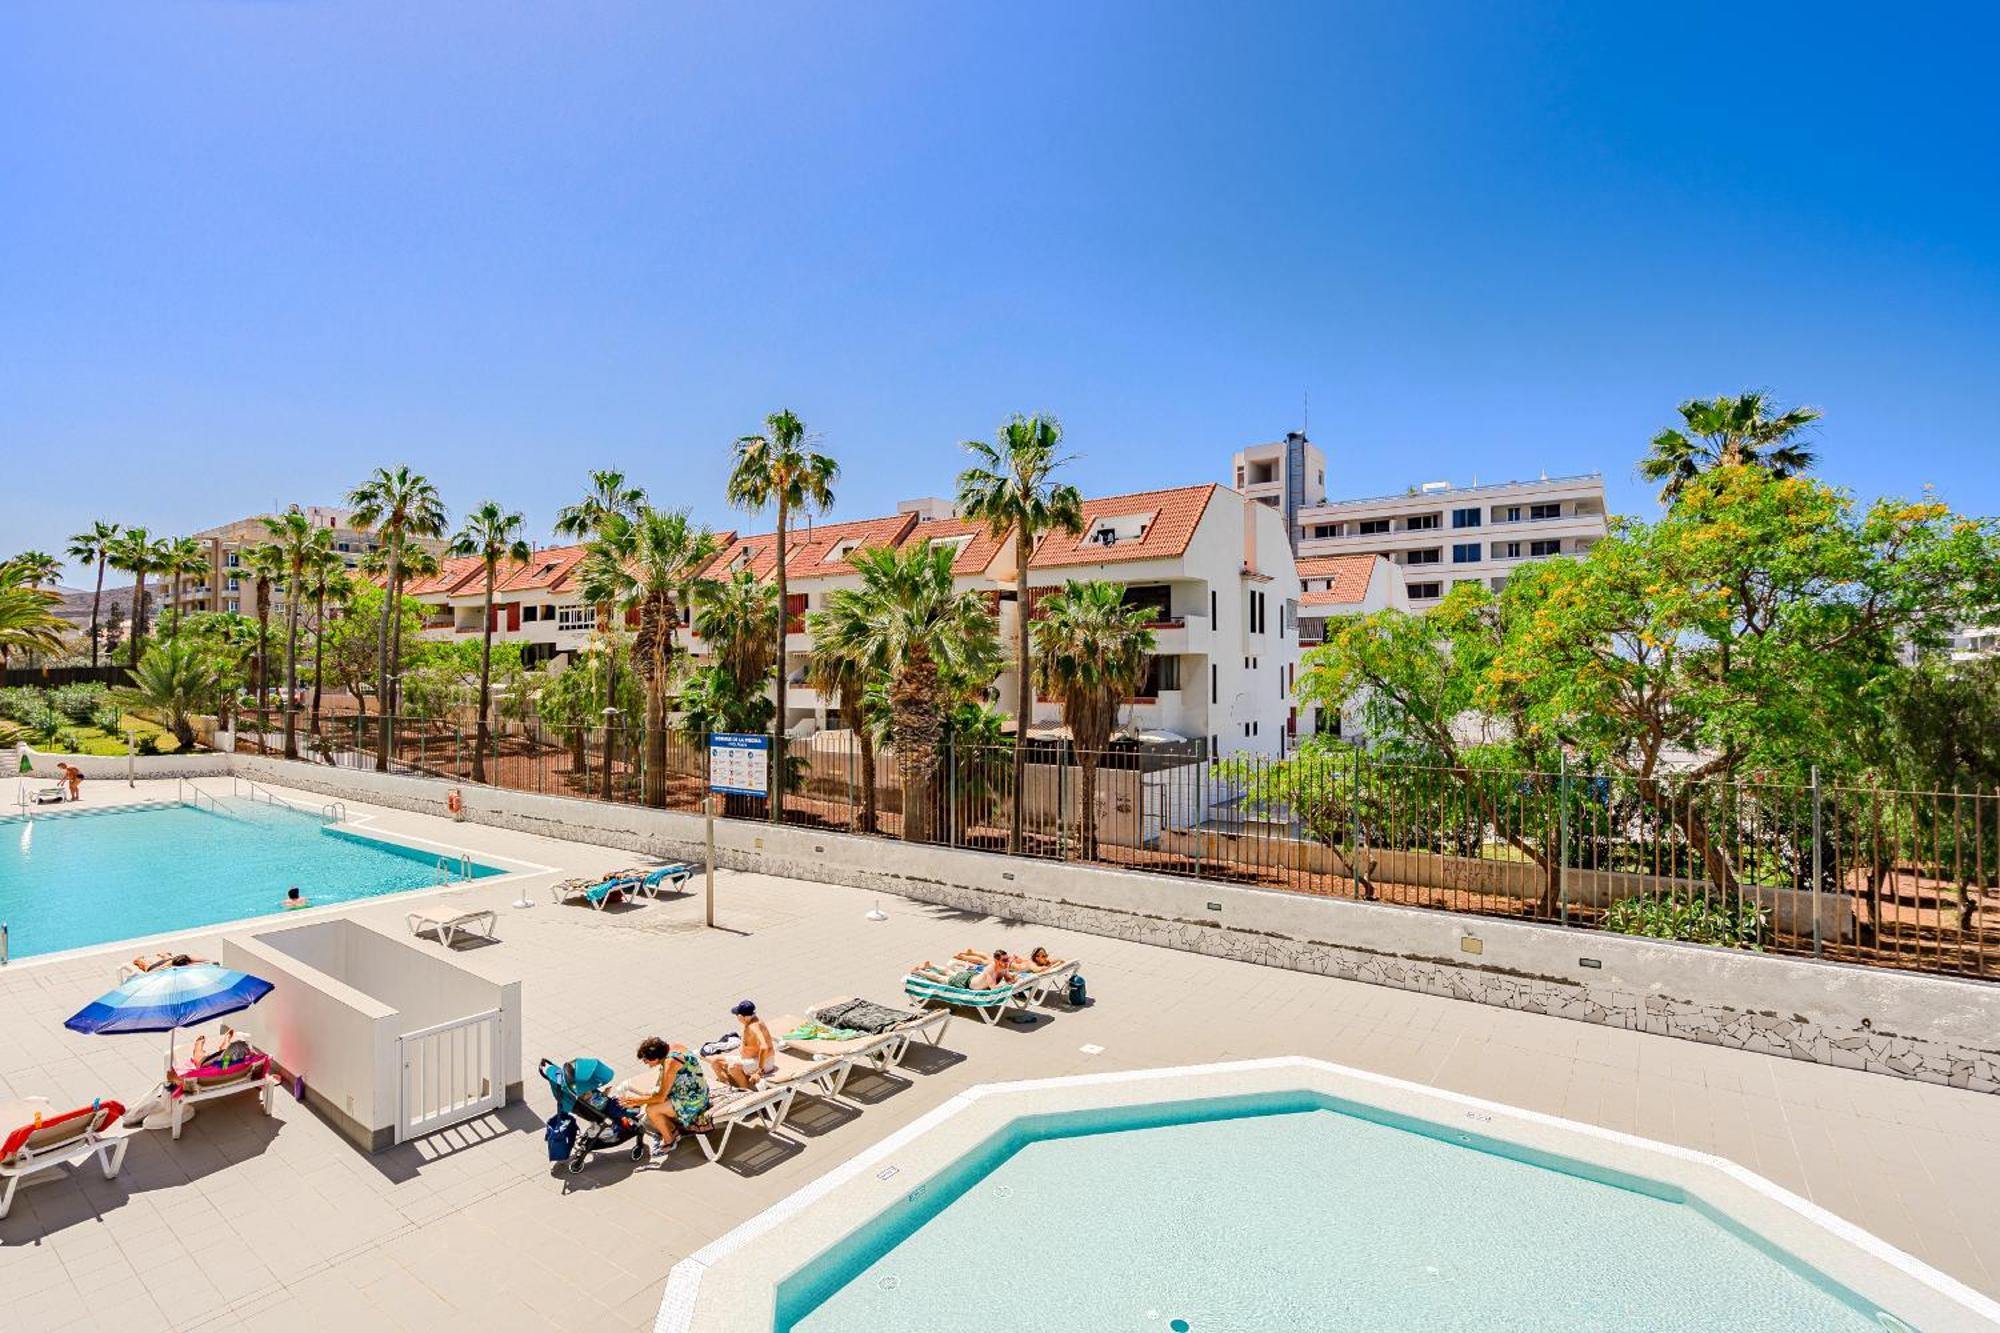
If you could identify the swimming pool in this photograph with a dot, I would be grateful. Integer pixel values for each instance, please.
(74, 878)
(1324, 1198)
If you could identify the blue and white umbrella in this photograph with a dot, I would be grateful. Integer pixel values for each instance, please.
(169, 998)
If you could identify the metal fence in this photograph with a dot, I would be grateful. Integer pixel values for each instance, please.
(1894, 878)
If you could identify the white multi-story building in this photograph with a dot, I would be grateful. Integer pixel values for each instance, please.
(1289, 475)
(1438, 534)
(226, 586)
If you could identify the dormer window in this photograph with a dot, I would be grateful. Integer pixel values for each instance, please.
(956, 545)
(840, 551)
(1112, 530)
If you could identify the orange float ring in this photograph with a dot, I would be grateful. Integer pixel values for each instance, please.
(453, 802)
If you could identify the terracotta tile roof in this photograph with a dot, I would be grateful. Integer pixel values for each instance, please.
(974, 556)
(551, 569)
(455, 574)
(1350, 575)
(810, 553)
(1169, 518)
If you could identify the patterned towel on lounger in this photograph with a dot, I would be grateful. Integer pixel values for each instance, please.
(863, 1016)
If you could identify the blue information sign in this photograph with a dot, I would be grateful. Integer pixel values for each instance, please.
(739, 764)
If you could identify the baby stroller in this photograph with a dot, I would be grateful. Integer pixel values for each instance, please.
(587, 1118)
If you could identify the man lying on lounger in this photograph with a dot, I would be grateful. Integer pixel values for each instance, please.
(998, 971)
(1038, 961)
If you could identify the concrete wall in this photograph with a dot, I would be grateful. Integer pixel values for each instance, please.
(108, 767)
(344, 996)
(1935, 1029)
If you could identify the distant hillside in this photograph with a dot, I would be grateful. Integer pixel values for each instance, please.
(75, 604)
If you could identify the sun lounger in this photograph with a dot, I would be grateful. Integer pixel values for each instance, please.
(449, 923)
(597, 893)
(29, 1146)
(822, 1078)
(50, 796)
(188, 1084)
(988, 1004)
(883, 1048)
(654, 880)
(729, 1107)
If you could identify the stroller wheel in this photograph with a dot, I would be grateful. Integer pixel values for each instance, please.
(576, 1166)
(639, 1148)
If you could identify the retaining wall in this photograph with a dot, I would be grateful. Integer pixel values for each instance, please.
(1935, 1029)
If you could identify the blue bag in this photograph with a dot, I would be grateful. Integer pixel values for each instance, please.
(561, 1135)
(1078, 996)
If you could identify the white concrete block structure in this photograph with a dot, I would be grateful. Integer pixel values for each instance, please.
(1438, 534)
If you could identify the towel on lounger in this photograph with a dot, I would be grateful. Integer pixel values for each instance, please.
(819, 1032)
(864, 1016)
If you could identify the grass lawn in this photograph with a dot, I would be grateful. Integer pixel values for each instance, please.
(94, 740)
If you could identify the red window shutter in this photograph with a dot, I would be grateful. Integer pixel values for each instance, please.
(513, 615)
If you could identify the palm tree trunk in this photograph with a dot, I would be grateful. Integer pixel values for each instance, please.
(319, 651)
(919, 727)
(138, 614)
(656, 740)
(263, 665)
(1024, 697)
(778, 728)
(382, 654)
(606, 616)
(1087, 797)
(291, 670)
(96, 598)
(485, 679)
(866, 740)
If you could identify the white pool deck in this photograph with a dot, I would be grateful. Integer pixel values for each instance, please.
(280, 1223)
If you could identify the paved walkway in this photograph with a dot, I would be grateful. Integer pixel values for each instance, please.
(278, 1223)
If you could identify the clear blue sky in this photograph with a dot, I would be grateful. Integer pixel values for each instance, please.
(249, 250)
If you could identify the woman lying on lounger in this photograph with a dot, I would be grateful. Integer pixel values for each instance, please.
(1038, 961)
(678, 1103)
(152, 962)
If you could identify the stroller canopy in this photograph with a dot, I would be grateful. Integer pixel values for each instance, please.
(576, 1077)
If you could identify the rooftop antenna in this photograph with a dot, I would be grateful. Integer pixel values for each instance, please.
(1306, 417)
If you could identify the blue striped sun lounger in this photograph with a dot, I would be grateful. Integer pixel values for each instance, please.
(655, 880)
(988, 1004)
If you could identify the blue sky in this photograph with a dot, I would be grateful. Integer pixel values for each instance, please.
(249, 250)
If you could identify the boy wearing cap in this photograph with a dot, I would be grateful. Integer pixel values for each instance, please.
(755, 1058)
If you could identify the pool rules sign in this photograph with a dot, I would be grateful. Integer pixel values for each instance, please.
(739, 764)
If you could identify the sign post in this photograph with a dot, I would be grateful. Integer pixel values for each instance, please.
(739, 764)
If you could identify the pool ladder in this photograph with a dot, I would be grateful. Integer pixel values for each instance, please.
(182, 787)
(447, 865)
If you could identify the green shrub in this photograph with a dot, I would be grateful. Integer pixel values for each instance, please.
(21, 702)
(109, 719)
(77, 702)
(1681, 915)
(149, 742)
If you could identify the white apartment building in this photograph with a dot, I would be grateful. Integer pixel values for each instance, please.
(228, 587)
(1289, 475)
(1213, 563)
(1438, 534)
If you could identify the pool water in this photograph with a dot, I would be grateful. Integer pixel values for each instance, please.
(1298, 1213)
(77, 878)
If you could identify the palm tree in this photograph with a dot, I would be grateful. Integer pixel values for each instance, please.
(1091, 654)
(298, 545)
(265, 565)
(735, 619)
(905, 621)
(398, 505)
(36, 568)
(653, 564)
(28, 621)
(327, 580)
(94, 546)
(1009, 486)
(832, 669)
(610, 500)
(133, 551)
(492, 534)
(1726, 432)
(180, 556)
(778, 467)
(175, 680)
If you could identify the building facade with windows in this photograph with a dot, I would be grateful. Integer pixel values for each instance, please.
(227, 586)
(1288, 475)
(1438, 534)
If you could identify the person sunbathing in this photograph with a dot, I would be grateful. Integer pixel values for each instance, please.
(1038, 961)
(755, 1058)
(232, 1047)
(155, 961)
(992, 975)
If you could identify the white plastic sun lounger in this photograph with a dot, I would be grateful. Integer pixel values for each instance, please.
(590, 892)
(822, 1078)
(730, 1107)
(654, 880)
(884, 1048)
(29, 1145)
(988, 1004)
(448, 923)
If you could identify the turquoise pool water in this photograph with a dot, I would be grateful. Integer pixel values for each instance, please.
(74, 878)
(1297, 1212)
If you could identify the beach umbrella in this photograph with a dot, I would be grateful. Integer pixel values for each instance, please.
(168, 998)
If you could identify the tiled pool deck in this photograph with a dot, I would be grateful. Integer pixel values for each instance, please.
(279, 1223)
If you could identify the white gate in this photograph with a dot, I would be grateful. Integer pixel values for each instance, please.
(451, 1072)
